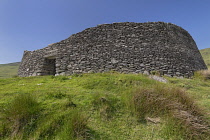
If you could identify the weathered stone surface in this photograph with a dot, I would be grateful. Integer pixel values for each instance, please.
(125, 47)
(158, 78)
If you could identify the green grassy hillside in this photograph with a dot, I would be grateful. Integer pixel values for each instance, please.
(104, 106)
(8, 70)
(206, 56)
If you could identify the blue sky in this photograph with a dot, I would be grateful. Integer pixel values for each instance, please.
(33, 24)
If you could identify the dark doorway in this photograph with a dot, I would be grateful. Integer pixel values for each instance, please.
(49, 66)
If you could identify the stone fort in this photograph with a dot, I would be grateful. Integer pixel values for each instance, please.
(125, 47)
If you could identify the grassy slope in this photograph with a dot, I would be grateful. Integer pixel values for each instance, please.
(52, 94)
(206, 56)
(113, 120)
(8, 70)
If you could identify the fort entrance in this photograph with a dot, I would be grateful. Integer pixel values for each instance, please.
(49, 66)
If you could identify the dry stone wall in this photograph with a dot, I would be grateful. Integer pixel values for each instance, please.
(124, 47)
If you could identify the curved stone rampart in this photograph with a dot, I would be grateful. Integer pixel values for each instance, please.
(125, 47)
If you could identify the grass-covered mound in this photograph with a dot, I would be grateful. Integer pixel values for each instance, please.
(9, 70)
(206, 56)
(104, 106)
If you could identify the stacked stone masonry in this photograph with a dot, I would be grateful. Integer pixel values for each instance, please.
(124, 47)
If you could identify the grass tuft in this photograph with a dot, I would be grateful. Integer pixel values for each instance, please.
(70, 125)
(203, 74)
(171, 103)
(105, 104)
(21, 114)
(76, 123)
